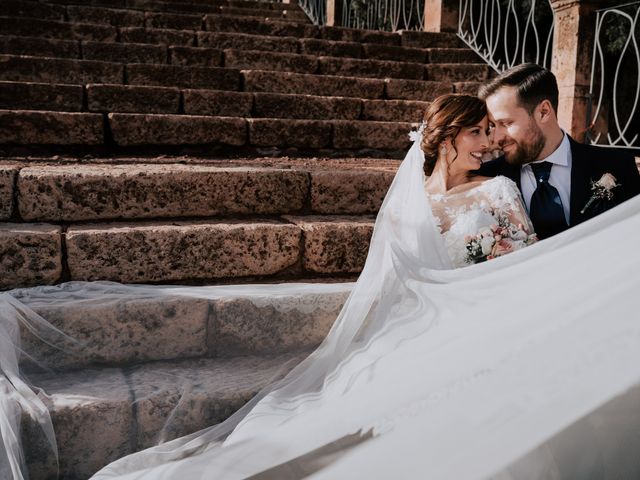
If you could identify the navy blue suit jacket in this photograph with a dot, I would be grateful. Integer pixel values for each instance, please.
(588, 164)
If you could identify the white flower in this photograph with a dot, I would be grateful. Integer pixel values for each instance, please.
(607, 181)
(518, 235)
(487, 244)
(486, 232)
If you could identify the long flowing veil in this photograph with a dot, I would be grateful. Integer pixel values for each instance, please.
(461, 373)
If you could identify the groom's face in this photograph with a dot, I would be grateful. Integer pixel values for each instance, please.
(515, 130)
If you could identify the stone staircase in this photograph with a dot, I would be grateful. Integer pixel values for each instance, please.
(193, 142)
(202, 141)
(163, 367)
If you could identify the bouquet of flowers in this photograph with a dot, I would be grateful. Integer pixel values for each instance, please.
(496, 240)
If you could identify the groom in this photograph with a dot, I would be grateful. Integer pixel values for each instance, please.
(563, 182)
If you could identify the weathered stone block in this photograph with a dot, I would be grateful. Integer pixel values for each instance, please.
(453, 55)
(394, 53)
(156, 36)
(21, 8)
(330, 48)
(105, 16)
(417, 39)
(241, 41)
(26, 27)
(416, 90)
(131, 330)
(285, 62)
(189, 77)
(286, 82)
(358, 35)
(24, 127)
(44, 47)
(227, 23)
(291, 133)
(180, 251)
(8, 175)
(90, 192)
(30, 254)
(175, 399)
(218, 103)
(58, 70)
(92, 418)
(470, 88)
(257, 12)
(40, 96)
(276, 105)
(363, 134)
(393, 110)
(135, 99)
(349, 191)
(246, 326)
(133, 129)
(369, 68)
(174, 7)
(450, 72)
(124, 53)
(173, 21)
(335, 244)
(203, 57)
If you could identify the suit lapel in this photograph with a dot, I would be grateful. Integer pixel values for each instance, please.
(580, 184)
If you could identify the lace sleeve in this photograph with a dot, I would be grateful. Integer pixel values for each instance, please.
(517, 212)
(509, 200)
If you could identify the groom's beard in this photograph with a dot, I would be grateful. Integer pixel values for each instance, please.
(526, 151)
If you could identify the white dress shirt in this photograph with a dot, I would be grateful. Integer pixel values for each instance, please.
(560, 176)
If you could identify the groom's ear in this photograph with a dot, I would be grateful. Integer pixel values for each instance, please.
(544, 112)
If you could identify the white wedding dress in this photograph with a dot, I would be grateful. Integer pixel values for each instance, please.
(522, 367)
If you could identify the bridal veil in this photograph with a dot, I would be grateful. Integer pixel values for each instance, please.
(512, 368)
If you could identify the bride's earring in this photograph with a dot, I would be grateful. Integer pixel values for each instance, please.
(443, 150)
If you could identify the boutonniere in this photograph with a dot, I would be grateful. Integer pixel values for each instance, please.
(601, 190)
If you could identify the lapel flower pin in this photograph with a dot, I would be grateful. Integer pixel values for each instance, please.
(601, 190)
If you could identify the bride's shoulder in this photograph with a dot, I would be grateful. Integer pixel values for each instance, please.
(497, 181)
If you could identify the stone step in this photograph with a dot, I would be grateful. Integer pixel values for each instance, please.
(76, 193)
(29, 128)
(28, 27)
(57, 70)
(269, 66)
(144, 48)
(220, 23)
(333, 85)
(185, 251)
(33, 9)
(41, 96)
(212, 321)
(26, 127)
(130, 406)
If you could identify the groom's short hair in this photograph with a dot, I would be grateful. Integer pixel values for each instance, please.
(533, 84)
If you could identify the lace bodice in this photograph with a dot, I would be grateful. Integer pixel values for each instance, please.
(466, 212)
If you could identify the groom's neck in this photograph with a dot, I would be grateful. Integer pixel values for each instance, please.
(553, 139)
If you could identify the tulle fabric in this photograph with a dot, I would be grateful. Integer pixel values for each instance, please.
(512, 368)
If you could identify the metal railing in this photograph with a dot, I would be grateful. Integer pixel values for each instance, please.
(615, 78)
(316, 10)
(507, 32)
(387, 15)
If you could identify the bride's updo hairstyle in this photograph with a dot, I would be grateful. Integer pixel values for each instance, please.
(444, 118)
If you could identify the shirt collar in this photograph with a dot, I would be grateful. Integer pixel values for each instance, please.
(560, 155)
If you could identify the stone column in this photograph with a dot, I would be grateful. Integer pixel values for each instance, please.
(573, 41)
(441, 15)
(334, 13)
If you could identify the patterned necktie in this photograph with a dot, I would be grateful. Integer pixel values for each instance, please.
(546, 211)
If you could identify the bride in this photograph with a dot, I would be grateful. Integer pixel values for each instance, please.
(517, 366)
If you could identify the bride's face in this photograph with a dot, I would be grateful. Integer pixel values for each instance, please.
(471, 144)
